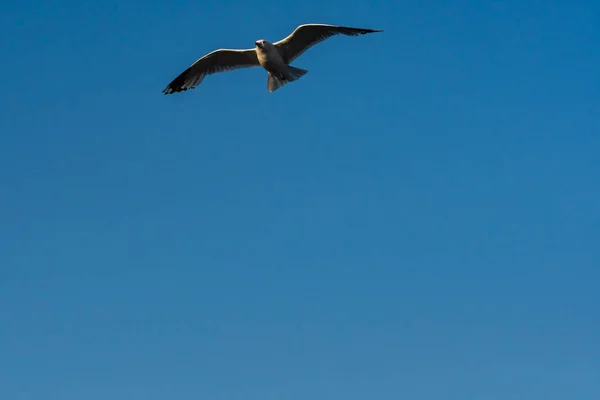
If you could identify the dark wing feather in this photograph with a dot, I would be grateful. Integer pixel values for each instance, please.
(218, 61)
(306, 36)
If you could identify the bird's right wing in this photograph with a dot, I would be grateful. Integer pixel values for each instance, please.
(307, 35)
(218, 61)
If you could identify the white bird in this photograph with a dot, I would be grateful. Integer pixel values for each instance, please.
(273, 57)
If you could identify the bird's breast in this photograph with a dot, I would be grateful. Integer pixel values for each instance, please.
(270, 58)
(263, 58)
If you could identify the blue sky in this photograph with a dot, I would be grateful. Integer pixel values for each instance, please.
(416, 218)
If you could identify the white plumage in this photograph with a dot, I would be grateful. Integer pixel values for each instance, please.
(275, 58)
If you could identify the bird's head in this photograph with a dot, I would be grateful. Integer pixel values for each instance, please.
(261, 44)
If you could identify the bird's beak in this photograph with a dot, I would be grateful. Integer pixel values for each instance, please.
(257, 43)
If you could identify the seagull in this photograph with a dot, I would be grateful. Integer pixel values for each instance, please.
(273, 57)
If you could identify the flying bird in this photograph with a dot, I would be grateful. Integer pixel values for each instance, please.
(273, 57)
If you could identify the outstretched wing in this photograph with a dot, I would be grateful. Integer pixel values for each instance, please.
(307, 35)
(218, 61)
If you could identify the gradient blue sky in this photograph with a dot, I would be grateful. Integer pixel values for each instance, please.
(416, 218)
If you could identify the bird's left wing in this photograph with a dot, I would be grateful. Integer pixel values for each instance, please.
(307, 35)
(217, 61)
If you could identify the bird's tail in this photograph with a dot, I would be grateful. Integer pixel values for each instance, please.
(293, 73)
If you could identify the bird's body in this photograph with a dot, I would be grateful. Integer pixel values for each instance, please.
(280, 73)
(269, 58)
(275, 58)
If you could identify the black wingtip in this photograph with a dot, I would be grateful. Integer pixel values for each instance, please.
(177, 84)
(359, 31)
(170, 90)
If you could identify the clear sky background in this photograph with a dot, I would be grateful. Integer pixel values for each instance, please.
(418, 217)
